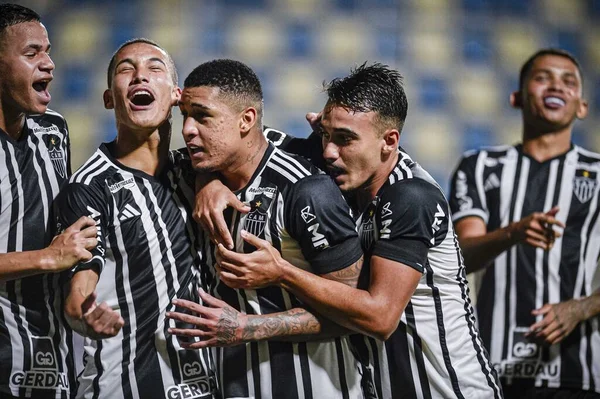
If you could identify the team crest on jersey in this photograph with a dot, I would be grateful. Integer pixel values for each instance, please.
(57, 155)
(258, 216)
(44, 372)
(584, 184)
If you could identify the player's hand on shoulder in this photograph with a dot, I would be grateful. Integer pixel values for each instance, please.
(73, 245)
(537, 229)
(212, 198)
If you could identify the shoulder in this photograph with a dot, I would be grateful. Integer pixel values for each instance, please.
(292, 167)
(586, 156)
(412, 193)
(94, 170)
(49, 118)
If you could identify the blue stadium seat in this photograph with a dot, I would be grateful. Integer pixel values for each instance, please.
(434, 93)
(477, 45)
(77, 82)
(300, 40)
(477, 135)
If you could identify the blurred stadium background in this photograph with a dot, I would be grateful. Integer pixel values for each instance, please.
(460, 59)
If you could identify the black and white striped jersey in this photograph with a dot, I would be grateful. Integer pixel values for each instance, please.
(502, 185)
(35, 347)
(303, 215)
(147, 256)
(436, 352)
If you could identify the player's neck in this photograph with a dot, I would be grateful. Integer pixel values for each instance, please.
(545, 146)
(237, 175)
(12, 123)
(144, 152)
(365, 194)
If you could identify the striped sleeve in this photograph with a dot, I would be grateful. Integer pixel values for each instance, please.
(77, 200)
(466, 194)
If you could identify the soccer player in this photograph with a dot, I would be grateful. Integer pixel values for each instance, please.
(527, 216)
(416, 293)
(137, 192)
(35, 345)
(222, 109)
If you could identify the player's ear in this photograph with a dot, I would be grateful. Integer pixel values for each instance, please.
(108, 99)
(390, 138)
(582, 110)
(176, 96)
(248, 119)
(515, 99)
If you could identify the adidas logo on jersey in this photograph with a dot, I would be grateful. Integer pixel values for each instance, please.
(128, 212)
(491, 183)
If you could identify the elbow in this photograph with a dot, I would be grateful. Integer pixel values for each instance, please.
(382, 328)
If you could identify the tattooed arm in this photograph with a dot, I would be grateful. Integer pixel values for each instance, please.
(219, 324)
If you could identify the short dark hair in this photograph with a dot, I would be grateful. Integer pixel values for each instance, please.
(111, 65)
(526, 68)
(235, 80)
(12, 14)
(374, 87)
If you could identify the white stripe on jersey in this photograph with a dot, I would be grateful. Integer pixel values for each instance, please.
(6, 195)
(506, 189)
(479, 179)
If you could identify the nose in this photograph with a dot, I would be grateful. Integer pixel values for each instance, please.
(47, 65)
(330, 151)
(189, 129)
(140, 75)
(556, 84)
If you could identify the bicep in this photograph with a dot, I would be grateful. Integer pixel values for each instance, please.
(392, 283)
(470, 226)
(348, 276)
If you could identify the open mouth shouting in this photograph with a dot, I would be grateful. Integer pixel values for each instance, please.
(141, 98)
(41, 87)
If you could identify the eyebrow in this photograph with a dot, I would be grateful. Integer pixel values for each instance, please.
(345, 130)
(37, 47)
(130, 61)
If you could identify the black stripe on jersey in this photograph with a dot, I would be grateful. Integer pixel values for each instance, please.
(100, 370)
(6, 355)
(11, 244)
(124, 310)
(442, 330)
(397, 349)
(281, 357)
(588, 352)
(255, 369)
(342, 369)
(12, 297)
(305, 369)
(487, 369)
(149, 302)
(507, 298)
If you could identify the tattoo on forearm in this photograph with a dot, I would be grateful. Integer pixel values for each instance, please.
(293, 322)
(226, 326)
(348, 276)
